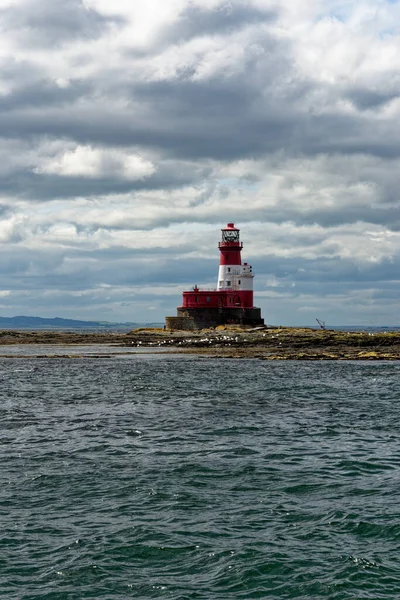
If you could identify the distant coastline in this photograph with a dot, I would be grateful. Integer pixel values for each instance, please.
(22, 322)
(32, 323)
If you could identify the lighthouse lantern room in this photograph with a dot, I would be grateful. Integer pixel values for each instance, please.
(232, 300)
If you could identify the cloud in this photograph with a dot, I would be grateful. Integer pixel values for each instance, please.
(199, 20)
(85, 161)
(131, 132)
(53, 22)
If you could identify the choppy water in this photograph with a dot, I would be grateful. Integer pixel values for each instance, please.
(155, 476)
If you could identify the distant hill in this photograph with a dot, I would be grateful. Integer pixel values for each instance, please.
(59, 323)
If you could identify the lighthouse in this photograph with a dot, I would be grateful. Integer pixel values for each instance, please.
(232, 300)
(232, 275)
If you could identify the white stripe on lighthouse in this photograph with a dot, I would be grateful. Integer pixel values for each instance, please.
(235, 277)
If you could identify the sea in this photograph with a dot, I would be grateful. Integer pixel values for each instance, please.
(172, 476)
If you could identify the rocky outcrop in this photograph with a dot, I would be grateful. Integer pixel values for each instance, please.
(267, 343)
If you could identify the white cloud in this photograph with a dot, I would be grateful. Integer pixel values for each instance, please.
(143, 19)
(85, 161)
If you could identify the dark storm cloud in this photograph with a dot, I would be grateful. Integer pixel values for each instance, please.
(385, 293)
(219, 117)
(53, 22)
(33, 186)
(138, 271)
(236, 118)
(92, 269)
(214, 119)
(189, 120)
(19, 262)
(366, 99)
(43, 94)
(333, 216)
(196, 21)
(331, 273)
(5, 209)
(157, 267)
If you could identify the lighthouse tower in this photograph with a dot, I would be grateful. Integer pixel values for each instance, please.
(231, 302)
(232, 275)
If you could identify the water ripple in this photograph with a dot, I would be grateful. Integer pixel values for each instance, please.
(158, 476)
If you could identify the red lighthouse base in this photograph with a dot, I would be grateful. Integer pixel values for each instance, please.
(203, 318)
(217, 299)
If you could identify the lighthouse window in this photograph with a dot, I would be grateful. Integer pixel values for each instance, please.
(239, 282)
(230, 235)
(229, 269)
(196, 299)
(208, 299)
(228, 283)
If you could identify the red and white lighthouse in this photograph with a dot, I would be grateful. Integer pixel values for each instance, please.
(232, 275)
(232, 300)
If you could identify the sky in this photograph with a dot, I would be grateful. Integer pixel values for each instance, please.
(131, 132)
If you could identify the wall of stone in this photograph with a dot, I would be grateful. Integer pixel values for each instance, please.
(252, 316)
(212, 317)
(184, 323)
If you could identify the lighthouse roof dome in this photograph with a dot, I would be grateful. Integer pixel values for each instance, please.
(229, 227)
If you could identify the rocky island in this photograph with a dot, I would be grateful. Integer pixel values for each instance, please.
(266, 343)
